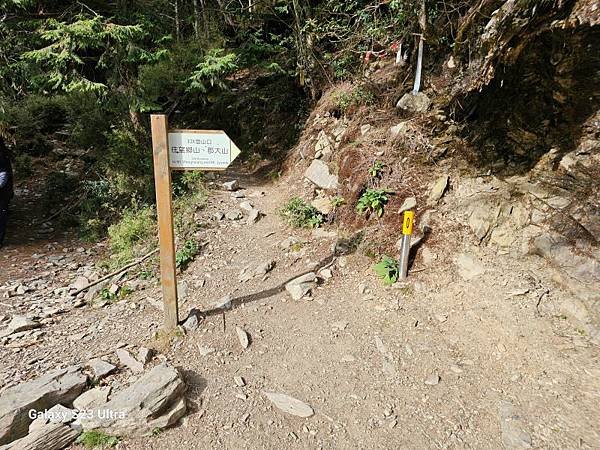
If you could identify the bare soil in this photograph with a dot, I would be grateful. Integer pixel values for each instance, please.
(358, 352)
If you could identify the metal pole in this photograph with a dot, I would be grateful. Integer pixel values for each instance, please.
(407, 227)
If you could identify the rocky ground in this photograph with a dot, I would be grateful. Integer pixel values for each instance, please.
(473, 351)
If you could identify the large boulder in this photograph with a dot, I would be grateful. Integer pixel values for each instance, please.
(318, 173)
(155, 400)
(51, 436)
(60, 386)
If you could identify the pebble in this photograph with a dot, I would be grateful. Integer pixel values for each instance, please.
(243, 337)
(432, 379)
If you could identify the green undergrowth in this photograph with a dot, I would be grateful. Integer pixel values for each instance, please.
(97, 439)
(297, 213)
(136, 232)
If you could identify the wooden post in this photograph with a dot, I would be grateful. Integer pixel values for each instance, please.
(164, 208)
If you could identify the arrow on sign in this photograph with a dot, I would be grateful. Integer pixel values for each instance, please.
(201, 150)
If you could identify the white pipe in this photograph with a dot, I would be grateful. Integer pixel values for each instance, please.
(417, 84)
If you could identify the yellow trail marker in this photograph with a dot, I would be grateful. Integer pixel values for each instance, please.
(407, 225)
(407, 229)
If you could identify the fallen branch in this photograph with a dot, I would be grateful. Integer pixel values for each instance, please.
(116, 272)
(60, 211)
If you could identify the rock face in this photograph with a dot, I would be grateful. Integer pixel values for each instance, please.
(155, 400)
(318, 173)
(300, 286)
(51, 436)
(418, 102)
(59, 386)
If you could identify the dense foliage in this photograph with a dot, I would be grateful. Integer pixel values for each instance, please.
(82, 75)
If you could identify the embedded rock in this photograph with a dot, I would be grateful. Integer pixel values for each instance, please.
(60, 386)
(155, 400)
(318, 173)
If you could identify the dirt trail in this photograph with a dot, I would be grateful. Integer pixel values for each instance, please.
(438, 362)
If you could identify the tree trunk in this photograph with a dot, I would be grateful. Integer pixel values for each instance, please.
(177, 26)
(196, 19)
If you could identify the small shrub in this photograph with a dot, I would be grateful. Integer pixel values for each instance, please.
(97, 439)
(135, 230)
(376, 169)
(359, 96)
(188, 181)
(23, 167)
(186, 254)
(58, 188)
(372, 201)
(299, 214)
(337, 201)
(274, 175)
(388, 270)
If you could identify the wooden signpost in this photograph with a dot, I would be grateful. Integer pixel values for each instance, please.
(180, 150)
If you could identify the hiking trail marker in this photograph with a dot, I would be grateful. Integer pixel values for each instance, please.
(180, 150)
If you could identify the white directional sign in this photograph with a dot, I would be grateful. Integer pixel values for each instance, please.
(201, 149)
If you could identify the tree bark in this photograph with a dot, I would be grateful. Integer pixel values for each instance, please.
(177, 25)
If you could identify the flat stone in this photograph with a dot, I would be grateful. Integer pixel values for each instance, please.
(243, 337)
(289, 404)
(232, 185)
(301, 286)
(234, 214)
(60, 414)
(418, 102)
(92, 398)
(127, 360)
(191, 323)
(318, 173)
(223, 302)
(51, 436)
(514, 437)
(59, 386)
(100, 368)
(21, 323)
(80, 283)
(254, 216)
(469, 267)
(205, 351)
(246, 206)
(145, 355)
(323, 204)
(432, 379)
(437, 189)
(155, 400)
(401, 128)
(239, 381)
(408, 204)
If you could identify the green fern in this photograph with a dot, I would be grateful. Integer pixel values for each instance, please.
(388, 270)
